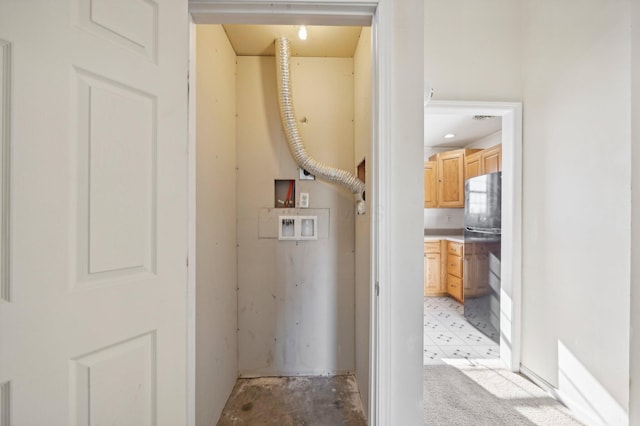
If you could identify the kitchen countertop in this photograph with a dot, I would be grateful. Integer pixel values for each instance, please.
(455, 235)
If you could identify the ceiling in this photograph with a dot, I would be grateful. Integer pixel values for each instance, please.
(322, 41)
(465, 127)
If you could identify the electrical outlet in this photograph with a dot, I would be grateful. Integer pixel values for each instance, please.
(304, 200)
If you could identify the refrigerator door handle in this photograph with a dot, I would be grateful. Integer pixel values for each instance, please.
(484, 230)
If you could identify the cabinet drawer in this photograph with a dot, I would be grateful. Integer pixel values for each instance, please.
(432, 247)
(454, 287)
(454, 265)
(454, 248)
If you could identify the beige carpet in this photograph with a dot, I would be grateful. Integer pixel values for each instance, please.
(481, 392)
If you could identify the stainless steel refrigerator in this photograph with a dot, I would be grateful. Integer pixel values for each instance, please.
(482, 232)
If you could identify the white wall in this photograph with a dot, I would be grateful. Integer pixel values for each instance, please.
(216, 304)
(362, 150)
(568, 62)
(487, 141)
(401, 284)
(634, 394)
(576, 221)
(295, 300)
(472, 49)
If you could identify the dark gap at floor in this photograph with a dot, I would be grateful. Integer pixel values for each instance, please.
(284, 401)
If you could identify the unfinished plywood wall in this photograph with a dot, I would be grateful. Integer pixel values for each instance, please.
(216, 308)
(295, 299)
(363, 130)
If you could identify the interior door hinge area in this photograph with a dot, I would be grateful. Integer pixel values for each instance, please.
(377, 288)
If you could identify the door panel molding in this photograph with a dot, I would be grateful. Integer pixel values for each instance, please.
(132, 25)
(117, 179)
(104, 382)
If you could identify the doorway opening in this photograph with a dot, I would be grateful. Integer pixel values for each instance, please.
(474, 278)
(285, 308)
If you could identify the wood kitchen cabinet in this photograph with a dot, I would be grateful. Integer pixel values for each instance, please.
(430, 187)
(482, 162)
(472, 165)
(450, 176)
(434, 278)
(455, 253)
(492, 159)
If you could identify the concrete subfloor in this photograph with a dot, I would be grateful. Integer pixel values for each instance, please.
(284, 401)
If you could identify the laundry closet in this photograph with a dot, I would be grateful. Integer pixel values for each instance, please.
(271, 300)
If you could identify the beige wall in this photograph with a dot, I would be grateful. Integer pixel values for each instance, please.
(362, 129)
(295, 300)
(216, 307)
(568, 61)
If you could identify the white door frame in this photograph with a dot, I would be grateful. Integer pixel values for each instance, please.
(361, 13)
(511, 258)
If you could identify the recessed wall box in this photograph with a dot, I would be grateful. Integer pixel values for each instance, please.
(308, 227)
(285, 193)
(298, 228)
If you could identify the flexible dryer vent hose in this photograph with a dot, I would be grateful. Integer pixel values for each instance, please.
(290, 126)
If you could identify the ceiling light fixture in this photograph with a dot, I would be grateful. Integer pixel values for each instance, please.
(302, 32)
(449, 136)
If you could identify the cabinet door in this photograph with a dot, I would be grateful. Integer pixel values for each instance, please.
(451, 179)
(432, 274)
(430, 179)
(492, 159)
(472, 165)
(454, 287)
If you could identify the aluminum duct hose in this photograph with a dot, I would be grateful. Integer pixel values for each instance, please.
(290, 126)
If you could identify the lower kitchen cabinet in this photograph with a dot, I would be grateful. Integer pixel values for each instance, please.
(455, 270)
(444, 263)
(434, 285)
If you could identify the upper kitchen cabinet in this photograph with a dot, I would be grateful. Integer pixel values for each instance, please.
(430, 187)
(472, 165)
(451, 178)
(492, 159)
(450, 184)
(482, 162)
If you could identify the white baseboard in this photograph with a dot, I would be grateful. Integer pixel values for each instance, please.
(583, 414)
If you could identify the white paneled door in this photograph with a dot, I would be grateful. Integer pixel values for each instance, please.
(93, 116)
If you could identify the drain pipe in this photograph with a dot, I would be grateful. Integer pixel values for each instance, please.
(290, 126)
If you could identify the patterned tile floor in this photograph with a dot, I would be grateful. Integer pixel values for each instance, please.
(447, 334)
